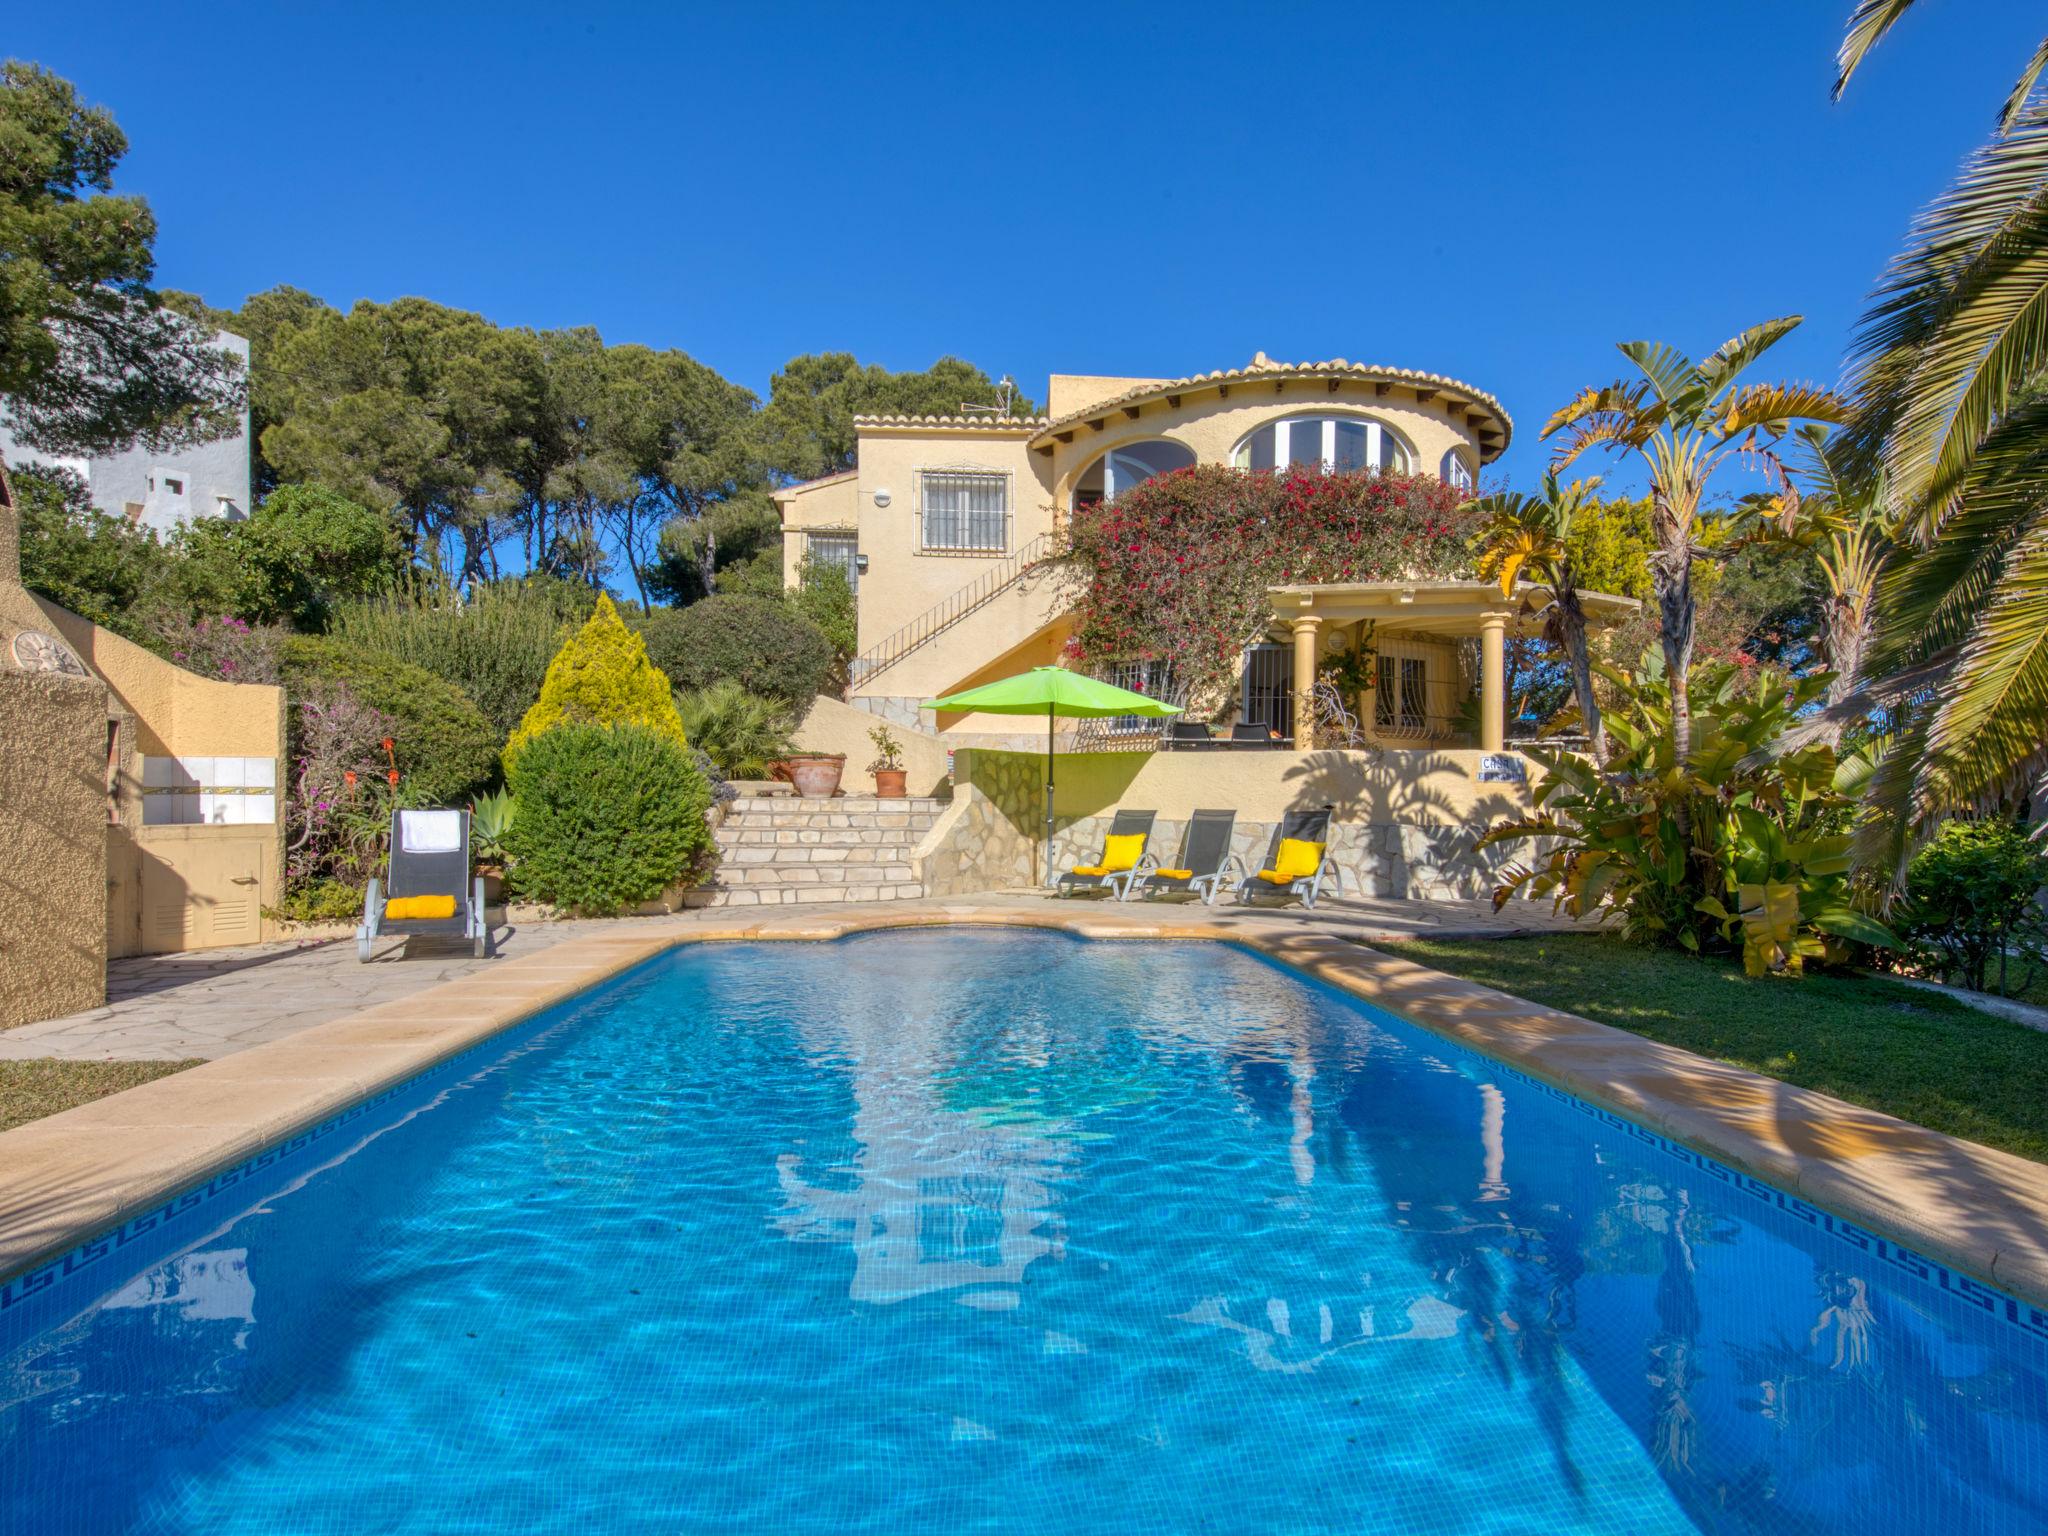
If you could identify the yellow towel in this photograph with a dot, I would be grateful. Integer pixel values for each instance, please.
(1298, 860)
(1175, 874)
(402, 909)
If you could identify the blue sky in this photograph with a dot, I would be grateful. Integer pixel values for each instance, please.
(1494, 191)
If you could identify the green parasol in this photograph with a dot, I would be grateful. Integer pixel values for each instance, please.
(1059, 693)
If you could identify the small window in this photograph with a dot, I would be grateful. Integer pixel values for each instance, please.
(1399, 706)
(837, 549)
(174, 486)
(1456, 470)
(964, 510)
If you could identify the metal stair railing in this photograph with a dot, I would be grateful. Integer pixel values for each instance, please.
(949, 611)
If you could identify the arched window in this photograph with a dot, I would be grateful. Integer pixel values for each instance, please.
(1456, 470)
(1334, 442)
(1121, 468)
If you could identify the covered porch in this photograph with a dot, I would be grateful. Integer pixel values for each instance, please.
(1415, 628)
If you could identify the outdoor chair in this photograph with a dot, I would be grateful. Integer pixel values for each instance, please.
(1298, 861)
(1251, 734)
(430, 889)
(1117, 865)
(1201, 865)
(1189, 736)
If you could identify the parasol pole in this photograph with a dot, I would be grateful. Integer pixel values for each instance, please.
(1048, 792)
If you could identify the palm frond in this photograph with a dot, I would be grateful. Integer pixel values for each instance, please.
(1868, 24)
(1773, 408)
(1734, 355)
(2016, 103)
(1620, 398)
(1672, 375)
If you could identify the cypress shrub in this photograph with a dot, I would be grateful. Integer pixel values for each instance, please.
(445, 747)
(609, 815)
(601, 676)
(761, 643)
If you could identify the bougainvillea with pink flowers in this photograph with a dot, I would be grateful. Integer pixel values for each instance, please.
(1177, 569)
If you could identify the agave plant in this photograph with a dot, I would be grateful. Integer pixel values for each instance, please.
(1716, 845)
(1951, 372)
(490, 818)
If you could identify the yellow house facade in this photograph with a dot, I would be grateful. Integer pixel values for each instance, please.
(946, 523)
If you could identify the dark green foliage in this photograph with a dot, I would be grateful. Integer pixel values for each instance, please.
(495, 647)
(446, 748)
(1972, 910)
(825, 597)
(1924, 1057)
(745, 536)
(97, 566)
(305, 549)
(609, 816)
(761, 643)
(75, 261)
(806, 430)
(739, 732)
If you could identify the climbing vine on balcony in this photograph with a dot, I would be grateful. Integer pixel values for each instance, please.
(1177, 569)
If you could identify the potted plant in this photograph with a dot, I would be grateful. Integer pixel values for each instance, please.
(890, 774)
(490, 818)
(816, 774)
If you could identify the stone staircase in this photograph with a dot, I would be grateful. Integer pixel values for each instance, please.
(780, 849)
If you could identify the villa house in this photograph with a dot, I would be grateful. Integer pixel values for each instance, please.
(945, 525)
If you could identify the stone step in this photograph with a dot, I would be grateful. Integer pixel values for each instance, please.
(828, 820)
(747, 835)
(736, 876)
(790, 895)
(865, 853)
(844, 804)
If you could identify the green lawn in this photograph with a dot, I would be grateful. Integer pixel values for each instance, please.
(30, 1090)
(1861, 1038)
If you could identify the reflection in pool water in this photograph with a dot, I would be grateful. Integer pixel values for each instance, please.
(1005, 1231)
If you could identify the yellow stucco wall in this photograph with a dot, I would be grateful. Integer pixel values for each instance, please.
(903, 582)
(831, 726)
(178, 887)
(1430, 787)
(53, 836)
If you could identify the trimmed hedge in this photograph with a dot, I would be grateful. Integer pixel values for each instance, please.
(761, 643)
(609, 815)
(444, 745)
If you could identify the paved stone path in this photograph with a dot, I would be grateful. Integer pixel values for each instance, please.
(215, 1002)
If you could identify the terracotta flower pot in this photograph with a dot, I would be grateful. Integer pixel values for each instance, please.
(816, 774)
(892, 783)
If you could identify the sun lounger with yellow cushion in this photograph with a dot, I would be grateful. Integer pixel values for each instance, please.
(1122, 859)
(1298, 863)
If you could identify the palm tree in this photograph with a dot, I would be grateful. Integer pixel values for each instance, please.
(1529, 537)
(1842, 522)
(1683, 418)
(1951, 373)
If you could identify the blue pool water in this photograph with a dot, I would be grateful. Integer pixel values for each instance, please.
(1003, 1231)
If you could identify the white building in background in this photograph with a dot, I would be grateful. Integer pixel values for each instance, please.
(159, 490)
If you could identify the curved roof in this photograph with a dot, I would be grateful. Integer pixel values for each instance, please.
(972, 422)
(1488, 418)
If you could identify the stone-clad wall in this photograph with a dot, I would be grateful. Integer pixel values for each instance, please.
(1407, 823)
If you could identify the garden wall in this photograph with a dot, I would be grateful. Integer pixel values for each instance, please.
(1405, 824)
(832, 726)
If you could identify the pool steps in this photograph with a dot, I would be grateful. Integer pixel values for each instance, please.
(786, 850)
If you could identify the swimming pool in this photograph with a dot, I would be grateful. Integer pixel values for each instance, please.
(1000, 1230)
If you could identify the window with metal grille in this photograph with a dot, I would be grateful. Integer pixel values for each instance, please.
(840, 549)
(964, 510)
(1399, 704)
(1266, 691)
(1151, 678)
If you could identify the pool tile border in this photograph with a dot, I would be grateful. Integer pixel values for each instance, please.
(79, 1186)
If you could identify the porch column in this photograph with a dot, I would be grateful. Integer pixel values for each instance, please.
(1492, 681)
(1307, 629)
